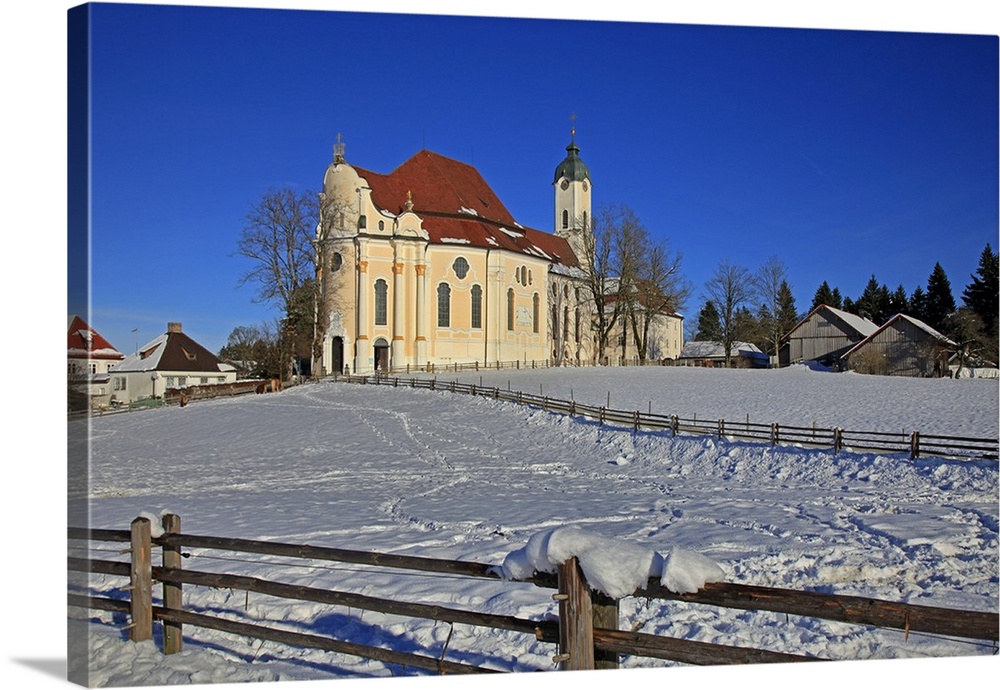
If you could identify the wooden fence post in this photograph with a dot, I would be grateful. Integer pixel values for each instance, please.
(915, 445)
(605, 617)
(774, 434)
(172, 641)
(838, 439)
(141, 572)
(576, 620)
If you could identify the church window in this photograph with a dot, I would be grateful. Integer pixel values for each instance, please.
(477, 306)
(530, 281)
(461, 267)
(565, 219)
(336, 261)
(510, 309)
(444, 305)
(584, 219)
(381, 293)
(535, 305)
(381, 225)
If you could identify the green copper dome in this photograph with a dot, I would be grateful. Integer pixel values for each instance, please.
(572, 168)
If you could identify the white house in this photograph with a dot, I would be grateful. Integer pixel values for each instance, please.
(173, 360)
(89, 357)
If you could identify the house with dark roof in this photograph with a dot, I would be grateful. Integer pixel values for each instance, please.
(172, 360)
(823, 336)
(89, 357)
(903, 346)
(425, 265)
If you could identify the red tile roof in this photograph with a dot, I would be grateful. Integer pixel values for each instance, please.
(458, 207)
(94, 346)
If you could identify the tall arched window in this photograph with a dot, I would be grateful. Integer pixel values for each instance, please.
(535, 306)
(444, 305)
(585, 220)
(381, 293)
(477, 306)
(565, 219)
(510, 309)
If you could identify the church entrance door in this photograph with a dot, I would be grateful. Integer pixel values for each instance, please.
(337, 364)
(382, 355)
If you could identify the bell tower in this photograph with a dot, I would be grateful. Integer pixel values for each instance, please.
(572, 197)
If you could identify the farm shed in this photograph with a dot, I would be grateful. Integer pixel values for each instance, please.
(824, 335)
(903, 346)
(709, 353)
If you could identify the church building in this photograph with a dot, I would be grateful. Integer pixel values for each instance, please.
(425, 266)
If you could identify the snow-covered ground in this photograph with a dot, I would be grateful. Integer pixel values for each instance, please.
(450, 476)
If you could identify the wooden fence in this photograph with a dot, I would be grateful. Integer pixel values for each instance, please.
(586, 631)
(913, 443)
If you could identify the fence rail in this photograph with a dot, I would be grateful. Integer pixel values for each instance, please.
(586, 629)
(914, 443)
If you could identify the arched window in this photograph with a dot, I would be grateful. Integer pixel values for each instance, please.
(461, 267)
(535, 305)
(565, 219)
(444, 305)
(381, 293)
(477, 306)
(510, 309)
(584, 220)
(336, 261)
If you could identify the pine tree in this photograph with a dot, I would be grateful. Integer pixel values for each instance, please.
(874, 303)
(709, 327)
(823, 296)
(898, 302)
(838, 300)
(940, 302)
(982, 295)
(918, 304)
(788, 316)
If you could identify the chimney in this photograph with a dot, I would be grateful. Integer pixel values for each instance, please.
(173, 327)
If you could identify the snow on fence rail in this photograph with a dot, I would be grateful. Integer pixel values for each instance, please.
(913, 443)
(586, 628)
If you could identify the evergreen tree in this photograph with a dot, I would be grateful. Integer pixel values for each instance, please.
(824, 295)
(940, 302)
(874, 303)
(709, 327)
(898, 302)
(788, 316)
(849, 306)
(982, 295)
(838, 301)
(918, 304)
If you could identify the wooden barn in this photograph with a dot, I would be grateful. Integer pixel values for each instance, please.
(823, 336)
(904, 346)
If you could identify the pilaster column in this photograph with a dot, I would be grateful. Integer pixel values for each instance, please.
(362, 363)
(398, 316)
(421, 339)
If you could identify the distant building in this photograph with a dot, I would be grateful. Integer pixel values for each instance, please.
(709, 353)
(89, 357)
(903, 346)
(425, 265)
(823, 336)
(173, 360)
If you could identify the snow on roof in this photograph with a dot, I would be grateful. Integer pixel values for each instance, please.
(613, 567)
(858, 323)
(711, 348)
(901, 317)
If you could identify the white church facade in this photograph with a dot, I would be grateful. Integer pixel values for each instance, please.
(425, 266)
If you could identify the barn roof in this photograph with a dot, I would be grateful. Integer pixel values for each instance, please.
(862, 326)
(458, 207)
(931, 333)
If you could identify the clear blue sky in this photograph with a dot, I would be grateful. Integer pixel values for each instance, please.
(843, 153)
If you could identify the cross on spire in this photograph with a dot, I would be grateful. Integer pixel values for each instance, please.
(338, 150)
(572, 131)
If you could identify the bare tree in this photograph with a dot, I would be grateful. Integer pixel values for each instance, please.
(599, 265)
(771, 285)
(277, 239)
(730, 288)
(659, 289)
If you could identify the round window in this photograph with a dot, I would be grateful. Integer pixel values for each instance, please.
(461, 267)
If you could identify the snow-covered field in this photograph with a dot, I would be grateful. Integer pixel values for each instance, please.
(450, 476)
